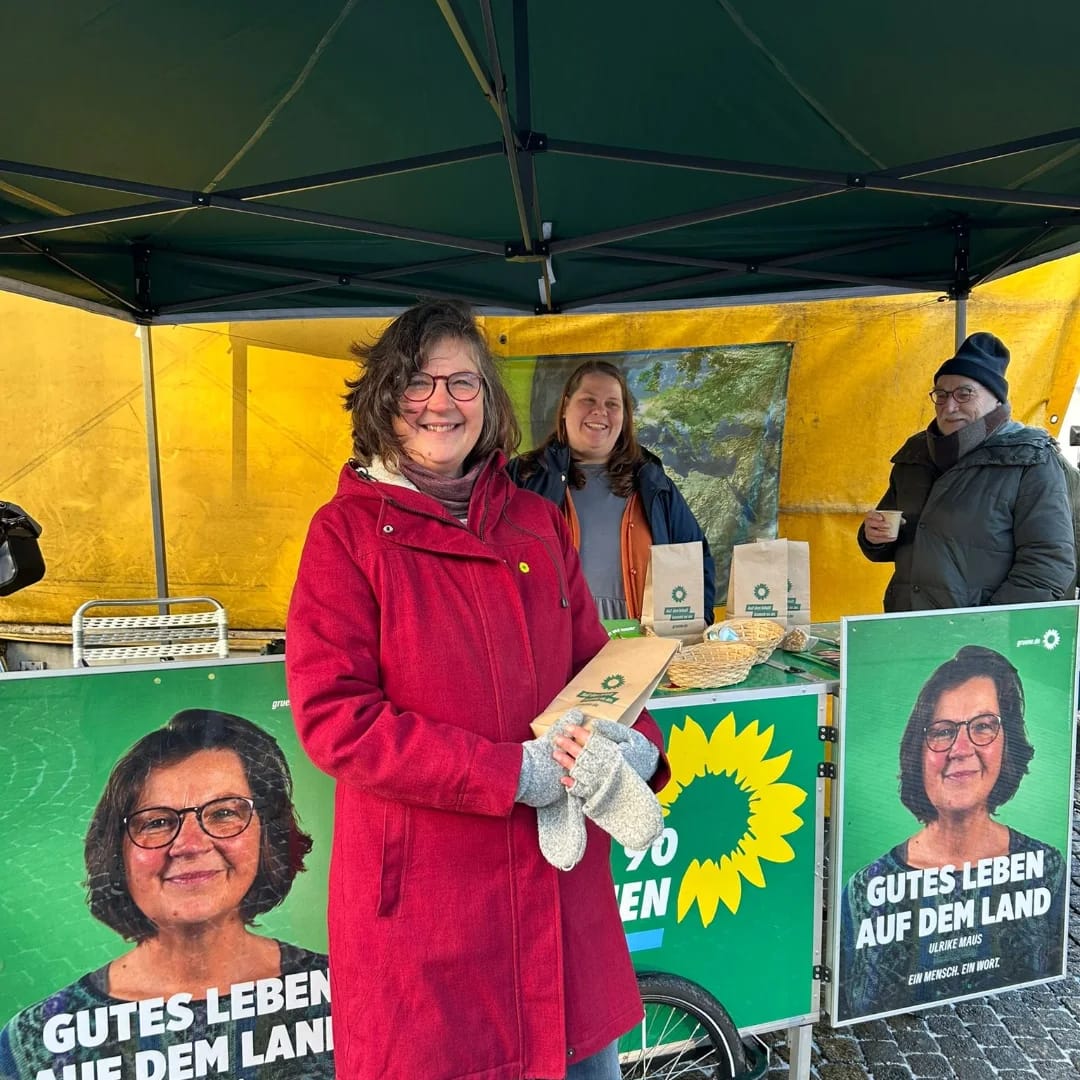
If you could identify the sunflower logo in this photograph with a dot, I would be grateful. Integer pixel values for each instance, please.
(761, 590)
(742, 784)
(613, 682)
(1051, 639)
(678, 594)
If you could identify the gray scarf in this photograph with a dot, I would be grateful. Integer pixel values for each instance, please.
(947, 450)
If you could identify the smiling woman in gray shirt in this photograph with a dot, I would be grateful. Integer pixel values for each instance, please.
(615, 494)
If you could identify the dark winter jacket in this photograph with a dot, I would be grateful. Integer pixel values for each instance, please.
(671, 521)
(995, 528)
(1071, 475)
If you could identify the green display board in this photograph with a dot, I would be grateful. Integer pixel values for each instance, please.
(729, 896)
(952, 858)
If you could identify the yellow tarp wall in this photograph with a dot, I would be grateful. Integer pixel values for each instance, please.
(252, 435)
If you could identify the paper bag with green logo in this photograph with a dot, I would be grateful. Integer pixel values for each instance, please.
(614, 684)
(798, 583)
(770, 579)
(674, 601)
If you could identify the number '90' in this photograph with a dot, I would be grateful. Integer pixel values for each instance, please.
(660, 853)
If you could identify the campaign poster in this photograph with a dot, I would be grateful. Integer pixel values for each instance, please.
(729, 896)
(954, 805)
(162, 828)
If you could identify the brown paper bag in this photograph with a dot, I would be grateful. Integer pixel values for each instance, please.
(614, 684)
(674, 601)
(757, 586)
(798, 583)
(770, 579)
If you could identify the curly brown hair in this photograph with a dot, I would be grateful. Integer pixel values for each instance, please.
(374, 397)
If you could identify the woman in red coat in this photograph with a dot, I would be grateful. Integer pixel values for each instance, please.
(438, 610)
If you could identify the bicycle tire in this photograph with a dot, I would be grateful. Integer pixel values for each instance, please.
(686, 1034)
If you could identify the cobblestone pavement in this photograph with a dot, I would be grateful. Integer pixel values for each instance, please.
(1016, 1035)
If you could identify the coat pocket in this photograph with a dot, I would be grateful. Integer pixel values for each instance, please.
(394, 847)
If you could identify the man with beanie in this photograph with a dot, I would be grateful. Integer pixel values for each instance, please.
(985, 513)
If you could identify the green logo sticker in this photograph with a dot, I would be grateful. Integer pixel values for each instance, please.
(678, 594)
(613, 682)
(761, 590)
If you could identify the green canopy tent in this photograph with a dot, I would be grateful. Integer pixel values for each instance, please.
(186, 161)
(178, 159)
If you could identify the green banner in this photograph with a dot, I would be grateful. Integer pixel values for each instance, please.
(728, 896)
(957, 736)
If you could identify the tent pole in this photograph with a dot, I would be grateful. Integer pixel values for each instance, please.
(960, 330)
(153, 461)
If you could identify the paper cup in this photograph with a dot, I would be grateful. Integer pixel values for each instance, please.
(892, 519)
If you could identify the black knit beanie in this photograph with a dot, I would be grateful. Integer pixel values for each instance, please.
(984, 358)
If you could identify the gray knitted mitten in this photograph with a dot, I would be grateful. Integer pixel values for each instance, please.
(540, 782)
(561, 827)
(614, 796)
(638, 751)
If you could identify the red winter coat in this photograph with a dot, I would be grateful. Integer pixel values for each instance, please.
(418, 651)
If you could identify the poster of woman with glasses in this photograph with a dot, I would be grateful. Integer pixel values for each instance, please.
(194, 837)
(973, 898)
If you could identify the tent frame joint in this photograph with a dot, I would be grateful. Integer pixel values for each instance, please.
(961, 283)
(140, 265)
(516, 251)
(533, 142)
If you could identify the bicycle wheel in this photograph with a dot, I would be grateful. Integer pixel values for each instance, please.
(686, 1034)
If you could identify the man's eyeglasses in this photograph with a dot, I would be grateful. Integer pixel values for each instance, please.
(462, 385)
(961, 395)
(159, 826)
(982, 730)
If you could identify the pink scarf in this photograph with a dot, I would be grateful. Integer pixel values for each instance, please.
(453, 492)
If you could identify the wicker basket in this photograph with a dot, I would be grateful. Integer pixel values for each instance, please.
(762, 634)
(710, 664)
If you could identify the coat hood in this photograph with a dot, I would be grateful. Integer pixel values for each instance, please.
(381, 482)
